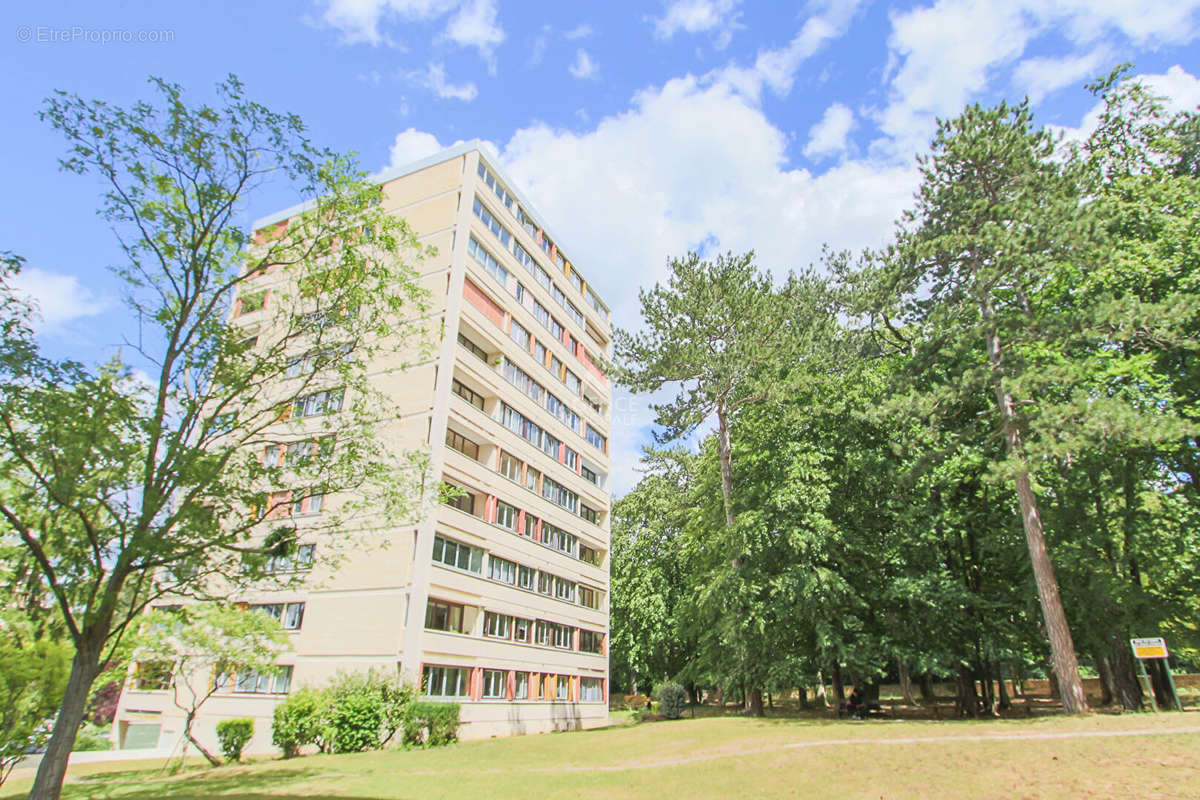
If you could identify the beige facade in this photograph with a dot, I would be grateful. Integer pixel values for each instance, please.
(499, 602)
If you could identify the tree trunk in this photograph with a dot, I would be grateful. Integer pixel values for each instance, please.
(1108, 686)
(966, 699)
(85, 666)
(188, 721)
(1062, 647)
(839, 693)
(905, 683)
(802, 698)
(725, 453)
(1124, 673)
(821, 689)
(1005, 702)
(754, 702)
(925, 684)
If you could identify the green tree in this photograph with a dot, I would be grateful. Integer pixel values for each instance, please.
(123, 488)
(33, 674)
(207, 646)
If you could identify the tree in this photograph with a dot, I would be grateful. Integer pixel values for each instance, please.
(33, 673)
(208, 645)
(123, 486)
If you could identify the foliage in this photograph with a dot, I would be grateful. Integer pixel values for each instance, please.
(208, 645)
(33, 675)
(121, 490)
(233, 734)
(671, 699)
(300, 720)
(432, 724)
(93, 737)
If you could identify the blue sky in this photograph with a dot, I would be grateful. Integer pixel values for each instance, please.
(639, 130)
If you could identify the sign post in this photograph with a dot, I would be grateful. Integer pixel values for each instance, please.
(1156, 648)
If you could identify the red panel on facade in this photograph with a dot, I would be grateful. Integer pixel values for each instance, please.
(476, 297)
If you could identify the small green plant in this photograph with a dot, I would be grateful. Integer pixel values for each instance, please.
(355, 719)
(431, 724)
(233, 734)
(300, 720)
(92, 738)
(671, 699)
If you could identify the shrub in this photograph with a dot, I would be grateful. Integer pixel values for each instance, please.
(431, 724)
(299, 720)
(365, 710)
(91, 738)
(671, 699)
(232, 734)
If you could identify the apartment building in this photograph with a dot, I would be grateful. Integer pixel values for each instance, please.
(498, 600)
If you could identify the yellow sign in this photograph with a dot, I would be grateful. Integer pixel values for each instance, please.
(1154, 647)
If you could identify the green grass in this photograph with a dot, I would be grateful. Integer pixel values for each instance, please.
(721, 757)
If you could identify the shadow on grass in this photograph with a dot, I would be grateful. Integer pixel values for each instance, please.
(199, 785)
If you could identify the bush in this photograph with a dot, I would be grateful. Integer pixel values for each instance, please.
(365, 710)
(431, 724)
(92, 738)
(299, 720)
(671, 699)
(232, 734)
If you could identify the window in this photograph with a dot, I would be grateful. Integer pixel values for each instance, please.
(541, 632)
(506, 515)
(498, 626)
(491, 223)
(590, 514)
(591, 641)
(594, 438)
(493, 685)
(518, 424)
(545, 583)
(539, 352)
(310, 504)
(252, 302)
(525, 576)
(457, 555)
(151, 676)
(521, 630)
(550, 446)
(521, 686)
(596, 303)
(530, 525)
(325, 402)
(510, 467)
(473, 348)
(590, 555)
(290, 615)
(564, 636)
(518, 378)
(495, 186)
(589, 475)
(553, 536)
(441, 616)
(518, 334)
(564, 589)
(527, 222)
(561, 691)
(462, 444)
(591, 690)
(574, 313)
(444, 681)
(589, 597)
(501, 569)
(251, 682)
(560, 495)
(570, 458)
(271, 456)
(572, 381)
(487, 261)
(532, 478)
(471, 396)
(524, 259)
(463, 500)
(299, 561)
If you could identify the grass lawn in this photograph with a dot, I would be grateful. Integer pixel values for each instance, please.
(1097, 756)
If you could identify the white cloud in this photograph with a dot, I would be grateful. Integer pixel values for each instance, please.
(580, 31)
(695, 16)
(475, 25)
(433, 78)
(583, 67)
(947, 53)
(776, 68)
(359, 20)
(829, 136)
(59, 298)
(1039, 77)
(412, 145)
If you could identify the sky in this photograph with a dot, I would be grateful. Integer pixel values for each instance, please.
(638, 130)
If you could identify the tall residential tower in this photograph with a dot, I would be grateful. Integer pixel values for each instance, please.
(498, 601)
